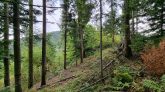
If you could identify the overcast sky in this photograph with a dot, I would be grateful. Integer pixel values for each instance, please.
(54, 17)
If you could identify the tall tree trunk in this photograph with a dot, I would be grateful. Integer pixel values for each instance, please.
(113, 20)
(133, 23)
(43, 78)
(137, 22)
(101, 61)
(65, 41)
(30, 83)
(127, 49)
(80, 28)
(113, 36)
(17, 53)
(81, 45)
(6, 47)
(65, 29)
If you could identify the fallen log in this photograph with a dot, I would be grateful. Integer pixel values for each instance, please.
(108, 64)
(95, 74)
(93, 83)
(53, 84)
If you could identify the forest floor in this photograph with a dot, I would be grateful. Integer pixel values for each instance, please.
(85, 77)
(66, 75)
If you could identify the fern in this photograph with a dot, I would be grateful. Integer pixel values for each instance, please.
(152, 85)
(122, 78)
(162, 79)
(154, 58)
(162, 82)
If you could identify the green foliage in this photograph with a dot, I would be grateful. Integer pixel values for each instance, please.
(37, 57)
(152, 85)
(51, 49)
(90, 39)
(123, 74)
(7, 89)
(1, 51)
(141, 42)
(155, 86)
(154, 9)
(72, 52)
(1, 70)
(138, 42)
(84, 11)
(91, 42)
(162, 82)
(122, 78)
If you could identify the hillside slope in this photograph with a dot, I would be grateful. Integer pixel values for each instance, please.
(86, 77)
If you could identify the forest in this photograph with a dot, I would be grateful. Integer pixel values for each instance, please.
(82, 46)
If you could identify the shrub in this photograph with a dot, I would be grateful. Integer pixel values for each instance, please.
(123, 74)
(138, 43)
(122, 78)
(154, 59)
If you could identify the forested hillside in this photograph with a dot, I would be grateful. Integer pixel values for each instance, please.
(82, 46)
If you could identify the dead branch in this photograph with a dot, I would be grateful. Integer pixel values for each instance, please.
(52, 85)
(93, 83)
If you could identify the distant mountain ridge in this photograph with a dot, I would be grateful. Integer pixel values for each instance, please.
(55, 36)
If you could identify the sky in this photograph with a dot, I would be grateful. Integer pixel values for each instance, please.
(54, 17)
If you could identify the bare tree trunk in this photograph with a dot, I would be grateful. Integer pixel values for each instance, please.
(65, 30)
(101, 61)
(113, 36)
(17, 53)
(137, 22)
(43, 76)
(81, 45)
(113, 20)
(30, 83)
(6, 47)
(65, 36)
(127, 49)
(133, 22)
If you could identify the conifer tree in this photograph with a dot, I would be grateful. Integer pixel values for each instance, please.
(17, 50)
(6, 46)
(30, 83)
